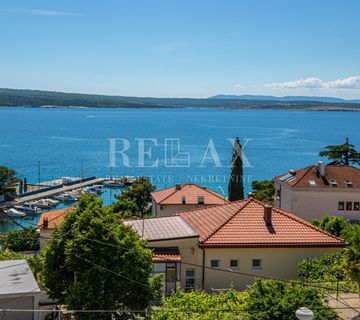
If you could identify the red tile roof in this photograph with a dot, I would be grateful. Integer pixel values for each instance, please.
(54, 217)
(191, 192)
(241, 224)
(340, 174)
(161, 255)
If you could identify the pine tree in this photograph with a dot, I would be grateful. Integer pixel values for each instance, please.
(341, 155)
(21, 186)
(236, 185)
(25, 185)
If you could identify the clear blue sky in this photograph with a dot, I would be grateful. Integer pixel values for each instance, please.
(192, 48)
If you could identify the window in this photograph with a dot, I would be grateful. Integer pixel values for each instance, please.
(333, 183)
(215, 263)
(348, 183)
(349, 206)
(356, 206)
(341, 205)
(189, 279)
(256, 264)
(161, 207)
(201, 200)
(234, 264)
(183, 200)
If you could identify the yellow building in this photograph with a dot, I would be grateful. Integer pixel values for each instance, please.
(229, 245)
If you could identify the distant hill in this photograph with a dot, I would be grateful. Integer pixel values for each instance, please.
(285, 98)
(38, 98)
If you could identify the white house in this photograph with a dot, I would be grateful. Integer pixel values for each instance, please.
(18, 290)
(319, 190)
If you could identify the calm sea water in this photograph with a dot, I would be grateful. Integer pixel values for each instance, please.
(68, 141)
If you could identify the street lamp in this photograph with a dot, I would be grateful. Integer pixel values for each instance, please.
(304, 314)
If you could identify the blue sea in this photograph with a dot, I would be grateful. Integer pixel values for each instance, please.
(169, 145)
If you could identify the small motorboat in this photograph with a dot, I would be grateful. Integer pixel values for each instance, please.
(13, 213)
(66, 197)
(46, 203)
(28, 207)
(113, 184)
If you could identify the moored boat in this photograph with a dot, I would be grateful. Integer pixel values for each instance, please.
(28, 207)
(13, 213)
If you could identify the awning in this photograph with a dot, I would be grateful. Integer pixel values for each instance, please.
(163, 255)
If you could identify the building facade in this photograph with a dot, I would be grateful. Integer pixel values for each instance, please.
(229, 245)
(168, 201)
(319, 190)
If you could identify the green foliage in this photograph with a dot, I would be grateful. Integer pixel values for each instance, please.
(329, 267)
(337, 226)
(342, 155)
(135, 200)
(264, 190)
(352, 254)
(199, 305)
(21, 186)
(71, 271)
(8, 181)
(33, 261)
(26, 239)
(25, 185)
(236, 183)
(275, 300)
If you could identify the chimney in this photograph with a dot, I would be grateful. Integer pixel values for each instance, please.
(178, 187)
(45, 223)
(321, 168)
(268, 214)
(292, 172)
(250, 195)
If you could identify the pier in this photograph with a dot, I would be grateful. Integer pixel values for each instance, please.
(54, 192)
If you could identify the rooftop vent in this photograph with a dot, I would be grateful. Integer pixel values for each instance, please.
(349, 183)
(45, 223)
(333, 183)
(178, 187)
(268, 215)
(292, 172)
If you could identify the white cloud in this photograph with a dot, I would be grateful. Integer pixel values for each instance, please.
(352, 82)
(46, 13)
(239, 86)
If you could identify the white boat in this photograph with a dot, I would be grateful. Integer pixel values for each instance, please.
(113, 184)
(13, 213)
(66, 197)
(95, 189)
(28, 207)
(46, 203)
(98, 188)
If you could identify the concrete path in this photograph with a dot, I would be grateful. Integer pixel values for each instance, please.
(51, 193)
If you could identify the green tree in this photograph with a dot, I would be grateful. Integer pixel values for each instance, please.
(199, 305)
(264, 190)
(137, 198)
(341, 155)
(352, 254)
(333, 224)
(236, 184)
(26, 239)
(276, 300)
(126, 208)
(88, 275)
(25, 185)
(21, 186)
(8, 181)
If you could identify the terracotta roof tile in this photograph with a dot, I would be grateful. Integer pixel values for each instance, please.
(340, 174)
(161, 255)
(242, 224)
(191, 192)
(54, 217)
